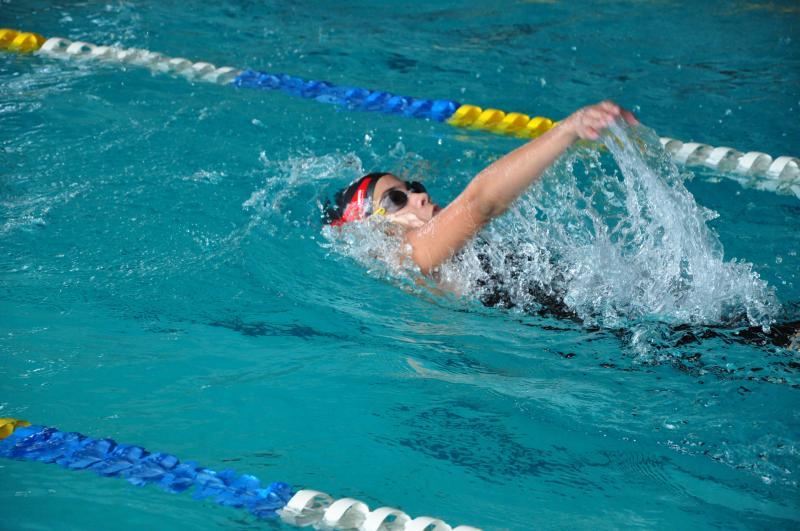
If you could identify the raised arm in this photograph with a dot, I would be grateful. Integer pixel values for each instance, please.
(491, 192)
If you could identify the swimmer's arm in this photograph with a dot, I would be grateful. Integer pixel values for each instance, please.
(491, 192)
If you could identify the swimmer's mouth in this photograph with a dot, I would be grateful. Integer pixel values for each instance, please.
(436, 209)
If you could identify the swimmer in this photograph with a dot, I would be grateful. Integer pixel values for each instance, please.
(436, 234)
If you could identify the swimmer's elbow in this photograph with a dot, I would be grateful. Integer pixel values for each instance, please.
(480, 207)
(484, 202)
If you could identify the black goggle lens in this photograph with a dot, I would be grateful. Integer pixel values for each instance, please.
(394, 199)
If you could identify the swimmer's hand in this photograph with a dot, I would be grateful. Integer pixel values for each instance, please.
(587, 123)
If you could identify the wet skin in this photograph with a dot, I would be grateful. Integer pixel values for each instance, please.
(419, 209)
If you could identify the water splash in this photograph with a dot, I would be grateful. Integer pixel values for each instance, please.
(612, 238)
(621, 242)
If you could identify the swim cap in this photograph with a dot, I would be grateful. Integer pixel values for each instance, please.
(353, 203)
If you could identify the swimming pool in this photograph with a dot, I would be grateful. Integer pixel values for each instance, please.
(166, 284)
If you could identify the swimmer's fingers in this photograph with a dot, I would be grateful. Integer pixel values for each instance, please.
(594, 120)
(610, 109)
(629, 117)
(616, 111)
(589, 122)
(590, 134)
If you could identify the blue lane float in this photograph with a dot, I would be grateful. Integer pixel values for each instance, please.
(133, 463)
(351, 97)
(302, 508)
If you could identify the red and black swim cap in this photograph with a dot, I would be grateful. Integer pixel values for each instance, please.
(354, 202)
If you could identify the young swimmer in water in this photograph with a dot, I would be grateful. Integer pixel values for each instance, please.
(436, 234)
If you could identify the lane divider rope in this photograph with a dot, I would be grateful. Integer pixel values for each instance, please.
(785, 171)
(22, 441)
(20, 41)
(63, 48)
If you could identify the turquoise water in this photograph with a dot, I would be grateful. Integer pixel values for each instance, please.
(165, 281)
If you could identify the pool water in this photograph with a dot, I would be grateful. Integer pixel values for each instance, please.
(165, 280)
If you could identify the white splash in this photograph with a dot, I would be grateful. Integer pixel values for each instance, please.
(626, 248)
(619, 243)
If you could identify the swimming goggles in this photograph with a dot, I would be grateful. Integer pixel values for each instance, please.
(395, 199)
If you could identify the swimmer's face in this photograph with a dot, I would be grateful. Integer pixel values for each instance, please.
(418, 210)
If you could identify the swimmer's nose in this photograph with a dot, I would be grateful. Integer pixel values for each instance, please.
(420, 199)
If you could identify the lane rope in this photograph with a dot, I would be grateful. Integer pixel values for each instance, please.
(20, 41)
(202, 71)
(783, 172)
(22, 441)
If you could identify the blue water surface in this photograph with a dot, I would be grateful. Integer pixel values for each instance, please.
(164, 282)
